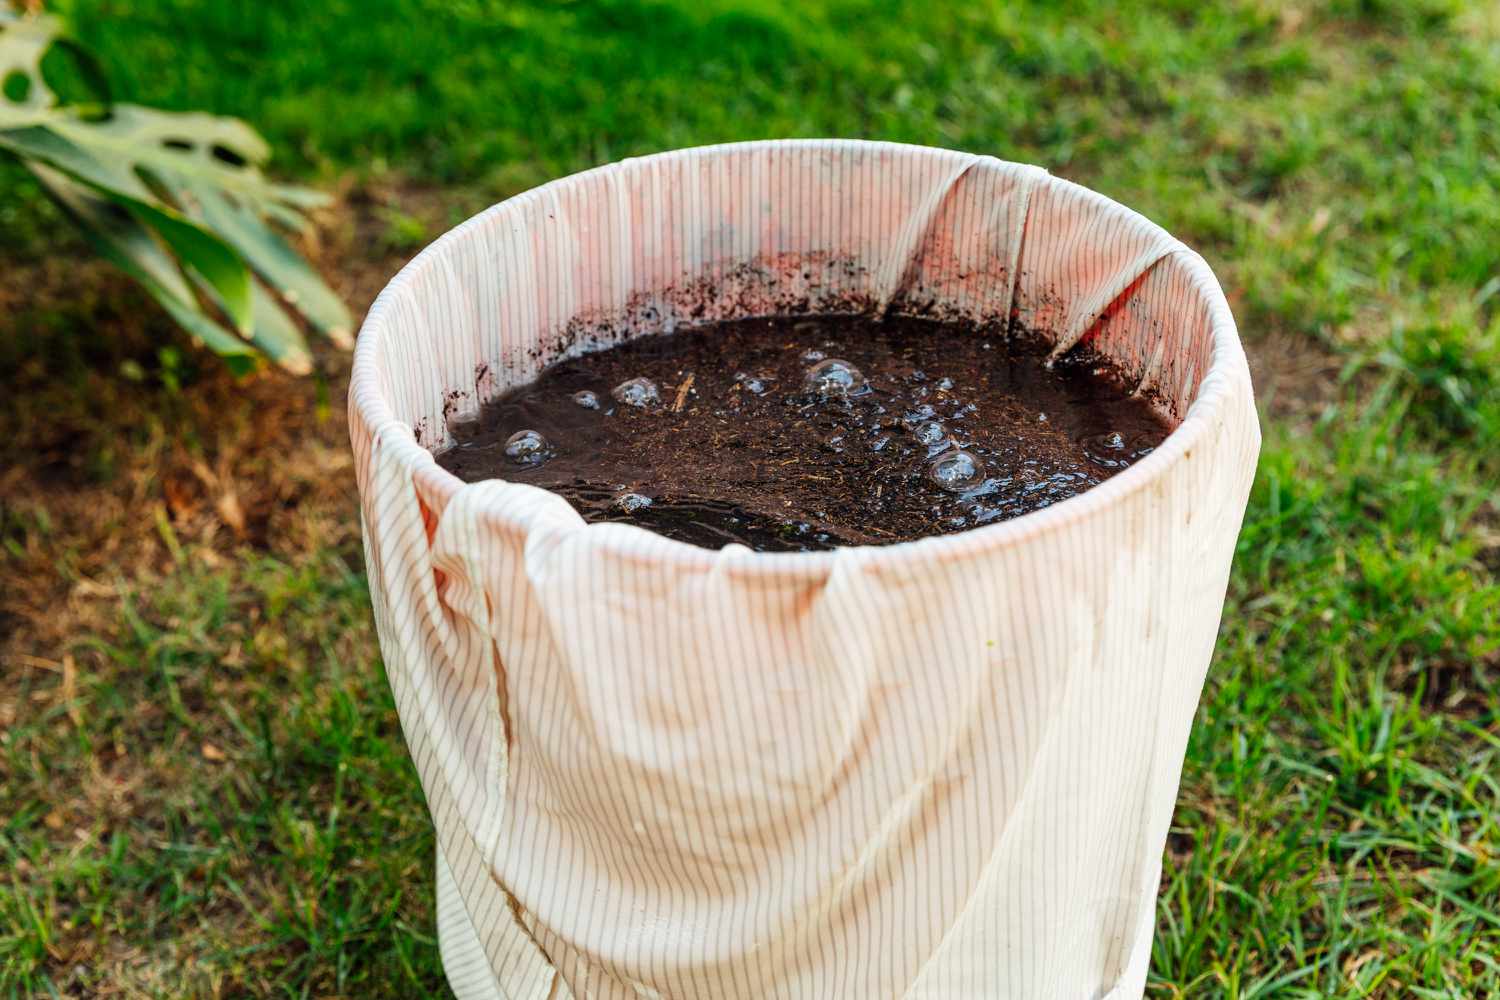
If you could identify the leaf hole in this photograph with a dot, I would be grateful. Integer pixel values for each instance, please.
(181, 144)
(17, 86)
(226, 155)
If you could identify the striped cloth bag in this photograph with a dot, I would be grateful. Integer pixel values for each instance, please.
(937, 769)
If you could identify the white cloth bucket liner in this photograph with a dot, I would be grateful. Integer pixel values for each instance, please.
(937, 769)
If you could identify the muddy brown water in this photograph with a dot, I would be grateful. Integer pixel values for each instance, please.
(800, 434)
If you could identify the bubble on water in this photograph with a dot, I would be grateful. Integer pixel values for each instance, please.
(812, 354)
(1041, 418)
(754, 385)
(1107, 449)
(793, 529)
(956, 471)
(638, 392)
(587, 399)
(630, 502)
(835, 444)
(879, 443)
(918, 415)
(918, 375)
(834, 378)
(527, 448)
(930, 433)
(983, 514)
(945, 384)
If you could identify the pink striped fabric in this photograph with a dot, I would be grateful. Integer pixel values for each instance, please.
(938, 769)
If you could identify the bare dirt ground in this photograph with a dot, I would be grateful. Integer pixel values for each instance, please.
(106, 480)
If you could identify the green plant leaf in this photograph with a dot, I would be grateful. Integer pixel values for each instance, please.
(197, 247)
(120, 238)
(209, 256)
(41, 141)
(276, 333)
(190, 178)
(271, 257)
(23, 43)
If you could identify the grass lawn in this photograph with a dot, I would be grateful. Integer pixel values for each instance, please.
(203, 790)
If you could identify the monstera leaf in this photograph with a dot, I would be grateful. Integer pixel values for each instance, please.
(177, 201)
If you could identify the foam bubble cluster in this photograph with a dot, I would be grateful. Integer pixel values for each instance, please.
(921, 413)
(753, 385)
(630, 502)
(1108, 449)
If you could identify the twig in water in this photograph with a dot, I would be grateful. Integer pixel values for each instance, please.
(682, 391)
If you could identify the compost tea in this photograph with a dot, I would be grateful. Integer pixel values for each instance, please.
(798, 434)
